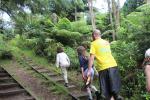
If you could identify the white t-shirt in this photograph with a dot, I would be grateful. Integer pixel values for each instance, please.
(147, 53)
(62, 60)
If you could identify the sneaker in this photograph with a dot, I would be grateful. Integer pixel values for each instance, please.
(119, 97)
(66, 85)
(98, 96)
(90, 99)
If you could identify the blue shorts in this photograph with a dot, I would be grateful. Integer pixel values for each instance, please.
(92, 73)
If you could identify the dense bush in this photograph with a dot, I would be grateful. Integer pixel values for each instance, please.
(5, 51)
(132, 77)
(64, 23)
(135, 28)
(81, 27)
(102, 22)
(51, 49)
(134, 39)
(66, 37)
(71, 52)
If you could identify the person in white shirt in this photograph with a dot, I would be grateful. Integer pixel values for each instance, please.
(146, 65)
(63, 61)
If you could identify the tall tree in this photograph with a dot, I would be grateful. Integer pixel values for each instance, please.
(131, 5)
(111, 18)
(90, 5)
(78, 6)
(118, 14)
(147, 1)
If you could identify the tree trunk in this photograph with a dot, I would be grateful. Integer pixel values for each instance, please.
(115, 10)
(111, 19)
(75, 13)
(90, 4)
(148, 1)
(117, 14)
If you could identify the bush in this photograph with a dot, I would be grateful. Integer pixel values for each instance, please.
(51, 50)
(66, 37)
(132, 78)
(23, 42)
(5, 52)
(64, 23)
(81, 27)
(71, 52)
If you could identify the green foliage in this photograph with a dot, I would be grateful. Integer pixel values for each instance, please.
(81, 27)
(71, 52)
(50, 50)
(136, 28)
(5, 51)
(129, 51)
(66, 37)
(132, 79)
(131, 5)
(102, 22)
(64, 23)
(126, 52)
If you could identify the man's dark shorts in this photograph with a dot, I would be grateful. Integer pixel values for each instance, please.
(110, 82)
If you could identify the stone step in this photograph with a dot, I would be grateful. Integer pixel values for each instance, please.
(38, 68)
(5, 79)
(32, 64)
(52, 74)
(58, 79)
(70, 87)
(43, 70)
(29, 98)
(2, 71)
(8, 85)
(79, 95)
(12, 92)
(3, 74)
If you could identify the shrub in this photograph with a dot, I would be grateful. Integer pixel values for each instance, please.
(71, 52)
(66, 37)
(50, 50)
(64, 23)
(132, 78)
(81, 27)
(5, 52)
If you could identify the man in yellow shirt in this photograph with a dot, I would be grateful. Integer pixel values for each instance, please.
(109, 77)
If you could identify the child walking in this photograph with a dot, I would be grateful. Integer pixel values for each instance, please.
(62, 61)
(83, 60)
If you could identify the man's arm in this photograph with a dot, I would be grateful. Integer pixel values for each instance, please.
(91, 61)
(82, 70)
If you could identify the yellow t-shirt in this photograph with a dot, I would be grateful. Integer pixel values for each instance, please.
(104, 59)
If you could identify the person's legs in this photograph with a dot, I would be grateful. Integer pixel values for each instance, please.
(147, 73)
(89, 93)
(115, 82)
(93, 88)
(104, 84)
(64, 72)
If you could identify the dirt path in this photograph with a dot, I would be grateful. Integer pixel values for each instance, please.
(33, 84)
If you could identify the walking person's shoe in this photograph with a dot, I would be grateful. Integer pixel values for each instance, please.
(98, 96)
(66, 85)
(119, 97)
(90, 99)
